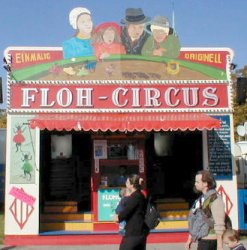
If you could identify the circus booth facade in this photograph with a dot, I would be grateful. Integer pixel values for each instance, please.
(78, 126)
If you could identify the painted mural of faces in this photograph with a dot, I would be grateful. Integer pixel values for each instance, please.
(85, 24)
(109, 36)
(135, 31)
(160, 34)
(160, 28)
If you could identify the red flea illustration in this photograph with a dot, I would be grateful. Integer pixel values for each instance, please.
(19, 137)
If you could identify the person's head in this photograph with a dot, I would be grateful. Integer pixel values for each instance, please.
(81, 20)
(135, 20)
(124, 192)
(230, 238)
(160, 28)
(134, 182)
(107, 33)
(135, 31)
(204, 181)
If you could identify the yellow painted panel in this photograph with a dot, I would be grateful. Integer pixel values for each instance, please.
(88, 216)
(172, 225)
(67, 226)
(174, 214)
(79, 226)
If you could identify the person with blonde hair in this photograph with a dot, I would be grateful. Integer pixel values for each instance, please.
(231, 239)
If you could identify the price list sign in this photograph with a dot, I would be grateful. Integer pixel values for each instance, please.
(219, 150)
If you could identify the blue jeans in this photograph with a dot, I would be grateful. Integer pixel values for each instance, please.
(122, 225)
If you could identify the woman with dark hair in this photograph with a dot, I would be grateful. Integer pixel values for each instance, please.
(210, 199)
(136, 231)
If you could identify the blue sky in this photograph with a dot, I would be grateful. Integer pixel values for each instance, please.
(199, 23)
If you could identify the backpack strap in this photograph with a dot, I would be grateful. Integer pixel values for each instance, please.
(206, 207)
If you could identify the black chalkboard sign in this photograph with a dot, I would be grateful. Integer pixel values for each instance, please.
(219, 149)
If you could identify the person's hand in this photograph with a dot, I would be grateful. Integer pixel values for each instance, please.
(115, 217)
(104, 55)
(220, 248)
(188, 242)
(188, 245)
(159, 52)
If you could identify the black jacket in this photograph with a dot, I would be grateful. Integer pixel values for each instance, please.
(133, 213)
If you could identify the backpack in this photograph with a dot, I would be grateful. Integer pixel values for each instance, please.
(199, 224)
(201, 221)
(152, 215)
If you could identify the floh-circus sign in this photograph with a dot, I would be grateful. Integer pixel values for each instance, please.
(93, 97)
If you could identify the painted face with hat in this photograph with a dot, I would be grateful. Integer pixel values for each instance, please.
(81, 20)
(135, 21)
(160, 28)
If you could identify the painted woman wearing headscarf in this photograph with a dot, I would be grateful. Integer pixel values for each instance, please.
(81, 44)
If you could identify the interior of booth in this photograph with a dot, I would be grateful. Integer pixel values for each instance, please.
(65, 175)
(112, 173)
(172, 174)
(170, 171)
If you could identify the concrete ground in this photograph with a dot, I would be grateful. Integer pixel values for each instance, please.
(166, 246)
(96, 247)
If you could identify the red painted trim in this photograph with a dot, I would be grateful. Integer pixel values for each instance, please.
(167, 237)
(21, 240)
(95, 205)
(106, 226)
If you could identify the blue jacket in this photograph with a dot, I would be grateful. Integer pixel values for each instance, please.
(76, 47)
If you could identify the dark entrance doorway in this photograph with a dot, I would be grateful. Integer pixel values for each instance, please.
(66, 176)
(172, 175)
